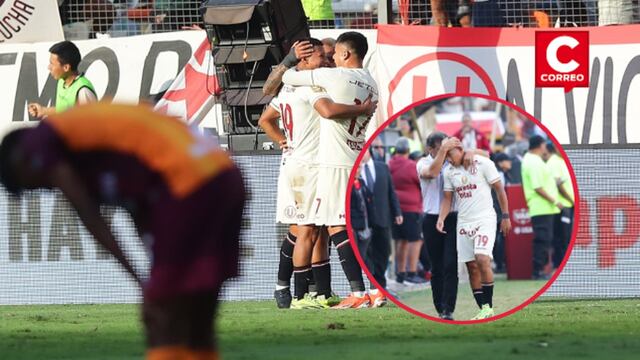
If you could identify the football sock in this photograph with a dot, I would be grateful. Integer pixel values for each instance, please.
(301, 280)
(487, 289)
(285, 267)
(322, 276)
(478, 294)
(410, 274)
(348, 260)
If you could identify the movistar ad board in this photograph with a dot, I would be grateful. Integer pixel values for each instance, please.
(415, 62)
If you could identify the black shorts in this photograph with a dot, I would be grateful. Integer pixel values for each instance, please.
(410, 229)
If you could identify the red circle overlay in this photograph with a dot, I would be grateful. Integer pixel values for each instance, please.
(436, 56)
(556, 273)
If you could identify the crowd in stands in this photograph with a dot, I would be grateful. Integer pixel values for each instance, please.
(94, 18)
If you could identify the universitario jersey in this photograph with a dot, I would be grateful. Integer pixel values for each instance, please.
(340, 140)
(300, 121)
(472, 189)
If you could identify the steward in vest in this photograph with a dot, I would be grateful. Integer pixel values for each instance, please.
(73, 88)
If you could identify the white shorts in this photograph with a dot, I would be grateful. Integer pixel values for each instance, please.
(476, 237)
(331, 196)
(296, 192)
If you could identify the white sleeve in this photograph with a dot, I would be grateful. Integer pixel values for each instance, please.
(316, 93)
(85, 96)
(275, 104)
(489, 170)
(424, 163)
(319, 77)
(448, 186)
(298, 78)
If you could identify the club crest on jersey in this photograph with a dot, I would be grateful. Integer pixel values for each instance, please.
(290, 212)
(465, 180)
(318, 89)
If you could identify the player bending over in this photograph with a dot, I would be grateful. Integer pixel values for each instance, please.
(184, 194)
(476, 227)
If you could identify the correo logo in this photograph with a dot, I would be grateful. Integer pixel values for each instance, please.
(562, 59)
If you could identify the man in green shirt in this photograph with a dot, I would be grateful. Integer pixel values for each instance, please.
(543, 201)
(72, 88)
(319, 13)
(564, 220)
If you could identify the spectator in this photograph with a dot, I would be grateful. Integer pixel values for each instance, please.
(171, 15)
(378, 150)
(510, 168)
(73, 87)
(470, 137)
(408, 235)
(615, 12)
(319, 13)
(408, 131)
(385, 209)
(450, 12)
(564, 220)
(542, 197)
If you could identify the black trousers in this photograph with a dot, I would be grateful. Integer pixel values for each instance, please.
(378, 253)
(542, 238)
(562, 235)
(443, 255)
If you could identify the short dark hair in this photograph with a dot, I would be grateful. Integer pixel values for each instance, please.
(355, 41)
(313, 41)
(551, 147)
(535, 141)
(8, 158)
(68, 54)
(435, 138)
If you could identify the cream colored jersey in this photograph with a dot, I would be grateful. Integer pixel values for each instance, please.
(300, 121)
(340, 140)
(472, 189)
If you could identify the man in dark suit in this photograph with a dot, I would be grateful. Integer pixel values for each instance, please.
(385, 209)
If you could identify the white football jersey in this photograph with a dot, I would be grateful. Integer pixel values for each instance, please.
(340, 140)
(300, 121)
(472, 189)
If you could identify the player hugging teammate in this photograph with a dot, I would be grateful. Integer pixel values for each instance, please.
(325, 113)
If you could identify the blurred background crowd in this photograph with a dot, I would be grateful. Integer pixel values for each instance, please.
(84, 19)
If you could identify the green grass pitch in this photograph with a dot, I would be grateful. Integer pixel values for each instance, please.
(257, 330)
(507, 294)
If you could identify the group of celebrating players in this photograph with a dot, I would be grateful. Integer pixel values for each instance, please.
(322, 138)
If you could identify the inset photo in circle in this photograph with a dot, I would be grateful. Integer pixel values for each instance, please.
(461, 209)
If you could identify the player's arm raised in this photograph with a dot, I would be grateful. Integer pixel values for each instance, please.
(298, 51)
(269, 123)
(332, 110)
(64, 177)
(505, 223)
(433, 171)
(445, 208)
